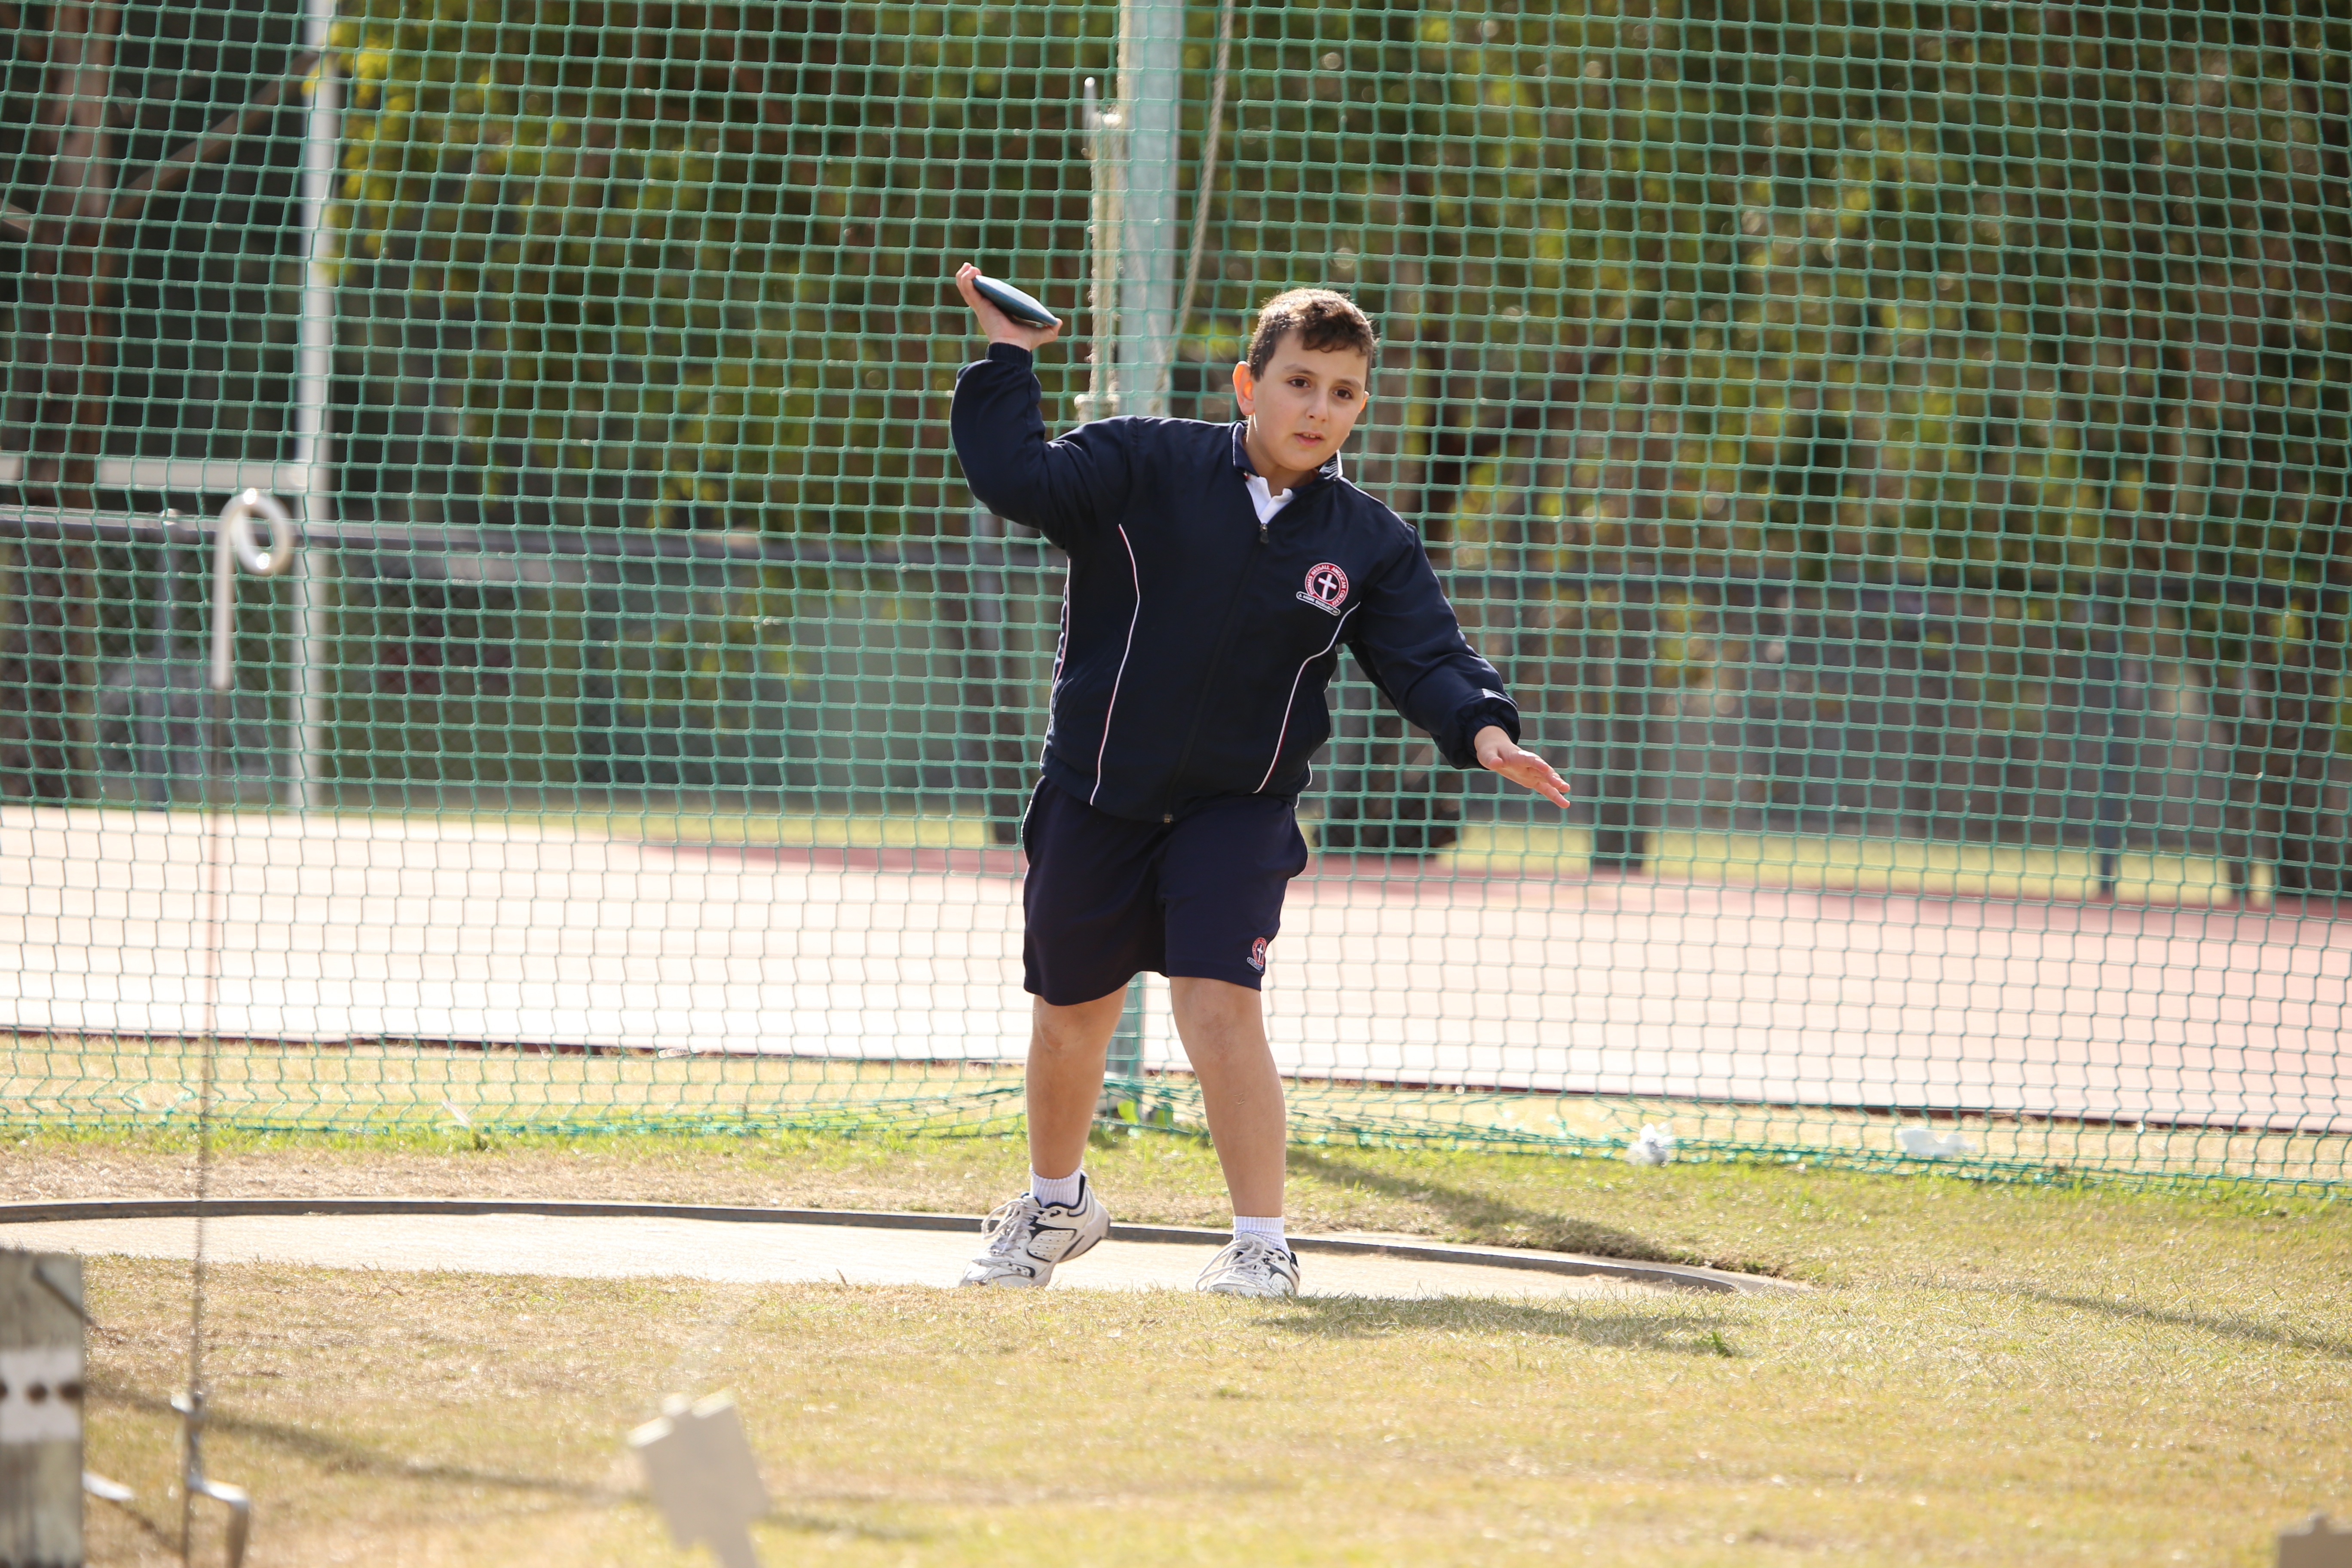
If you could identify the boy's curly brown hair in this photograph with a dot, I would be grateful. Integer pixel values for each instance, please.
(1324, 318)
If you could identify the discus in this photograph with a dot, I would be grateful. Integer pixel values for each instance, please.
(1014, 302)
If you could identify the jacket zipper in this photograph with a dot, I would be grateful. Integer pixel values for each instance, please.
(1208, 682)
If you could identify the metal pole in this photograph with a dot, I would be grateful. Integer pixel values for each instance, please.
(1150, 90)
(2105, 699)
(159, 764)
(1103, 144)
(313, 385)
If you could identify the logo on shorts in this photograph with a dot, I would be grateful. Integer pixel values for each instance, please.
(1327, 587)
(1258, 955)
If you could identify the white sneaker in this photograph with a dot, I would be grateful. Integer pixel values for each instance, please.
(1251, 1266)
(1026, 1238)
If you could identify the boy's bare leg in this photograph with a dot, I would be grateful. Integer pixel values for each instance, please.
(1223, 1030)
(1066, 1048)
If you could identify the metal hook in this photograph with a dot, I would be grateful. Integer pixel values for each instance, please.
(234, 543)
(236, 1499)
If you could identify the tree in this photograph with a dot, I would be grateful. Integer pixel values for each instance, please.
(682, 265)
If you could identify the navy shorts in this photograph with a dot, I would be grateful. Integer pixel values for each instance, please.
(1106, 898)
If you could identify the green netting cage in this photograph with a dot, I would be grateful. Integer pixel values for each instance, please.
(1896, 452)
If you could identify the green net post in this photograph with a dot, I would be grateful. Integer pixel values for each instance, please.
(1125, 1066)
(1125, 1096)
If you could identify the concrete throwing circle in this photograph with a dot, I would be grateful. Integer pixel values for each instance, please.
(781, 1246)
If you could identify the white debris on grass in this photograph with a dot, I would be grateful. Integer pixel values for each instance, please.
(1922, 1143)
(1654, 1145)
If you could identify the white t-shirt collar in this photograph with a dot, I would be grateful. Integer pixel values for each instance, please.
(1267, 502)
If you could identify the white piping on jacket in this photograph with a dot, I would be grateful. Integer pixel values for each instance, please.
(1284, 735)
(1053, 682)
(1103, 749)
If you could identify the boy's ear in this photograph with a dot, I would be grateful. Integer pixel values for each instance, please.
(1244, 388)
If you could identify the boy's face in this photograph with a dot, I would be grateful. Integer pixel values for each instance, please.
(1302, 409)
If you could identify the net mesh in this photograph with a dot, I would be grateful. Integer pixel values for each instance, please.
(1897, 453)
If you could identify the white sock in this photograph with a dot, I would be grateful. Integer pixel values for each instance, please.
(1267, 1226)
(1062, 1189)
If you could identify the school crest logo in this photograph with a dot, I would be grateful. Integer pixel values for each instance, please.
(1327, 587)
(1258, 955)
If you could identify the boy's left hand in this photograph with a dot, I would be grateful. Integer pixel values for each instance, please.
(1497, 752)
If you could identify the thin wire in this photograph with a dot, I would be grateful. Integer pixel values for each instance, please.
(1204, 190)
(692, 1363)
(215, 919)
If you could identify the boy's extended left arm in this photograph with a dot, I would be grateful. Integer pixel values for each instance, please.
(1410, 643)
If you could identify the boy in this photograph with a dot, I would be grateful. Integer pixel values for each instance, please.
(1215, 571)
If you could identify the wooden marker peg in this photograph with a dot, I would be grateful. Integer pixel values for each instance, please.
(699, 1470)
(42, 1365)
(2314, 1543)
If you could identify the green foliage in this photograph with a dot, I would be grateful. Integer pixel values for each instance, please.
(1980, 287)
(1985, 287)
(691, 266)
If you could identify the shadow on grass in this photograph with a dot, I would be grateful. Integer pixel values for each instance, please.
(1489, 1221)
(2249, 1329)
(1674, 1326)
(807, 1523)
(336, 1454)
(153, 1529)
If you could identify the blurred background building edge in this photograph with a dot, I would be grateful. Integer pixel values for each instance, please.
(1853, 456)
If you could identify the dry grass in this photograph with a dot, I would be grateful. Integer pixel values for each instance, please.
(2001, 1374)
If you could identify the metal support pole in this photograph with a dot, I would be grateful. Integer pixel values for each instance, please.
(1105, 166)
(313, 387)
(2105, 699)
(1151, 94)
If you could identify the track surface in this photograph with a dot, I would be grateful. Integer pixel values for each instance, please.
(357, 929)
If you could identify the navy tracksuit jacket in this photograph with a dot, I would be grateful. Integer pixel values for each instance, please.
(1196, 644)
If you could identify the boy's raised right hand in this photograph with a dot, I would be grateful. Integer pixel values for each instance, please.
(1000, 327)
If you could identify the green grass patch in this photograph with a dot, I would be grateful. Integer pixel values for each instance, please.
(131, 1084)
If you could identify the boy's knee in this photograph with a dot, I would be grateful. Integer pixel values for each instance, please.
(1079, 1026)
(1193, 996)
